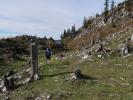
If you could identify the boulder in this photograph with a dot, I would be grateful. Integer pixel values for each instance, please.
(4, 90)
(48, 97)
(36, 77)
(123, 49)
(132, 38)
(99, 56)
(1, 84)
(85, 57)
(38, 98)
(26, 81)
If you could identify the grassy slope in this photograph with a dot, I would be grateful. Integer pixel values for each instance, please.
(108, 84)
(10, 64)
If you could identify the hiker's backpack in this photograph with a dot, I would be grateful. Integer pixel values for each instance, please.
(48, 52)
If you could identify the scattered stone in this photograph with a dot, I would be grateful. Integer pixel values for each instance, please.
(125, 84)
(117, 64)
(28, 70)
(19, 77)
(26, 81)
(90, 59)
(122, 78)
(56, 58)
(114, 95)
(99, 56)
(36, 77)
(45, 96)
(7, 98)
(102, 57)
(48, 97)
(1, 84)
(73, 77)
(114, 35)
(19, 83)
(123, 49)
(4, 89)
(85, 57)
(38, 98)
(132, 38)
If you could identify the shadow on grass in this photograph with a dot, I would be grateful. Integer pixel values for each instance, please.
(19, 59)
(58, 74)
(41, 77)
(87, 77)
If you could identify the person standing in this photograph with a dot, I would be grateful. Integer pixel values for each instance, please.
(48, 54)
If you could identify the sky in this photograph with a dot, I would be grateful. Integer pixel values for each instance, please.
(45, 17)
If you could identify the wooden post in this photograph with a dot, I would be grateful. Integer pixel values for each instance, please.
(34, 61)
(77, 73)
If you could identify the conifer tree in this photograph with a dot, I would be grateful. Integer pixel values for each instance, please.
(112, 6)
(113, 12)
(64, 34)
(85, 22)
(68, 32)
(73, 31)
(129, 5)
(106, 10)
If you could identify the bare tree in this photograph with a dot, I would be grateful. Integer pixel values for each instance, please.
(34, 61)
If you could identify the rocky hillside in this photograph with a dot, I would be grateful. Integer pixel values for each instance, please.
(97, 29)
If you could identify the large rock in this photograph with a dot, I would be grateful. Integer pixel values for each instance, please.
(132, 38)
(38, 98)
(4, 89)
(123, 49)
(26, 80)
(85, 57)
(36, 77)
(1, 84)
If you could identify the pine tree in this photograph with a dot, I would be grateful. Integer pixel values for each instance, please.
(68, 32)
(112, 6)
(64, 34)
(106, 10)
(85, 22)
(129, 5)
(73, 31)
(113, 13)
